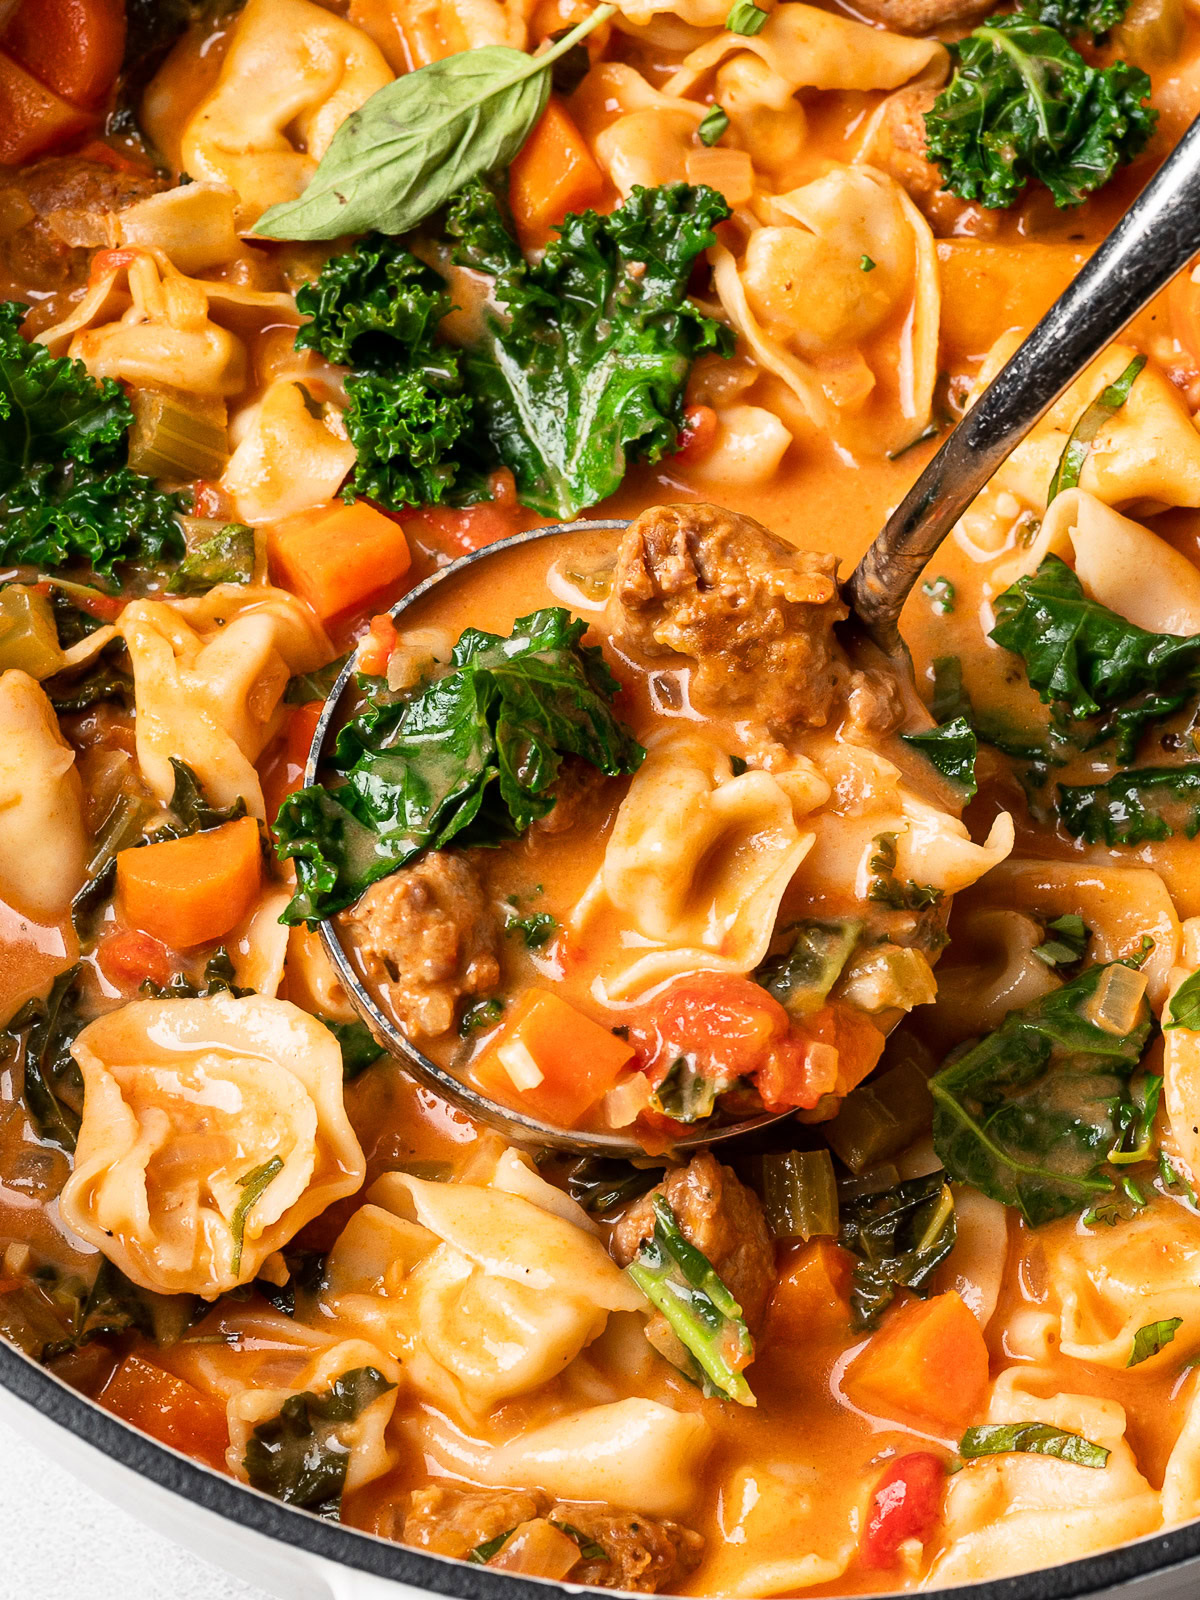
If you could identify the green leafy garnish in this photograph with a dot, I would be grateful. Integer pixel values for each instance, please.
(297, 1455)
(226, 556)
(1024, 105)
(1028, 1115)
(952, 749)
(686, 1094)
(483, 1553)
(483, 1014)
(746, 18)
(1074, 17)
(360, 1048)
(472, 758)
(940, 594)
(1143, 803)
(713, 125)
(589, 1550)
(1183, 1010)
(1135, 1122)
(1102, 409)
(40, 1036)
(306, 687)
(680, 1281)
(801, 976)
(866, 264)
(1152, 1338)
(535, 930)
(1091, 661)
(253, 1186)
(193, 811)
(1066, 941)
(66, 492)
(1031, 1438)
(418, 140)
(900, 1236)
(886, 889)
(602, 1183)
(112, 1306)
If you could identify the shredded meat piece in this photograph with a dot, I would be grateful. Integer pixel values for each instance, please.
(755, 614)
(643, 1555)
(898, 148)
(35, 250)
(577, 784)
(721, 1217)
(429, 932)
(874, 707)
(921, 16)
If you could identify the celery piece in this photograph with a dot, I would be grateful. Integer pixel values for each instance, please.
(800, 978)
(170, 440)
(880, 1118)
(799, 1194)
(680, 1281)
(28, 637)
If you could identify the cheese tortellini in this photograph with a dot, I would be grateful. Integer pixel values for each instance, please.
(293, 73)
(290, 455)
(43, 843)
(213, 1130)
(209, 676)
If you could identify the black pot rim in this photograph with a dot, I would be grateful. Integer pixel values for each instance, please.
(258, 1513)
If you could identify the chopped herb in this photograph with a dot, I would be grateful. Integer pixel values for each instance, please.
(1135, 1122)
(746, 18)
(952, 749)
(1152, 1338)
(713, 126)
(940, 594)
(473, 758)
(297, 1455)
(900, 1235)
(680, 1281)
(193, 811)
(227, 556)
(887, 890)
(535, 930)
(801, 976)
(589, 1550)
(1031, 1438)
(1102, 409)
(484, 1552)
(483, 1014)
(1068, 944)
(866, 264)
(1183, 1010)
(1173, 1181)
(360, 1048)
(253, 1186)
(41, 1035)
(686, 1094)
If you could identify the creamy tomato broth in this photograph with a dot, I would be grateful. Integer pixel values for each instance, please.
(624, 828)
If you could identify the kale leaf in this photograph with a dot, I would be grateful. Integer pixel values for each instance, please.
(1029, 1114)
(472, 758)
(1024, 105)
(1143, 803)
(586, 367)
(66, 492)
(1031, 1438)
(360, 1048)
(41, 1035)
(900, 1236)
(298, 1456)
(952, 749)
(1091, 661)
(1074, 17)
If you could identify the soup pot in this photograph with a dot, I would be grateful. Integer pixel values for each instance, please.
(298, 1556)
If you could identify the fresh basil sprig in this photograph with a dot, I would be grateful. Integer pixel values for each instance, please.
(1152, 1338)
(1102, 409)
(420, 139)
(1031, 1438)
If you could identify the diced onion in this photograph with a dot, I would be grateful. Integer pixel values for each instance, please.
(1117, 1000)
(626, 1101)
(517, 1061)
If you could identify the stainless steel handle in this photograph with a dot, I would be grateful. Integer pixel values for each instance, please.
(1157, 236)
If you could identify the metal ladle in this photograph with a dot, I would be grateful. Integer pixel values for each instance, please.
(1157, 236)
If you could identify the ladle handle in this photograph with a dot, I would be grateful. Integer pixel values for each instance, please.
(1159, 234)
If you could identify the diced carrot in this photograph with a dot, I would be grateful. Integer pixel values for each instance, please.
(550, 1060)
(33, 119)
(128, 958)
(928, 1363)
(283, 773)
(812, 1294)
(338, 555)
(74, 47)
(553, 173)
(167, 1408)
(377, 645)
(187, 891)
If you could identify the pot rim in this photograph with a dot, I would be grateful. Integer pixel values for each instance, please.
(249, 1508)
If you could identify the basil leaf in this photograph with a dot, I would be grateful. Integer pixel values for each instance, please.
(1152, 1338)
(1184, 1009)
(1070, 941)
(253, 1186)
(715, 122)
(1078, 447)
(1031, 1438)
(952, 749)
(419, 140)
(746, 18)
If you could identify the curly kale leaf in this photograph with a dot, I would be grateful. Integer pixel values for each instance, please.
(1091, 662)
(585, 367)
(66, 493)
(1143, 803)
(472, 758)
(1024, 105)
(377, 309)
(1029, 1114)
(1073, 18)
(900, 1237)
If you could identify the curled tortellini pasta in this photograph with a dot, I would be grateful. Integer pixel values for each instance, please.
(779, 1535)
(638, 134)
(509, 1296)
(209, 676)
(699, 858)
(292, 75)
(290, 455)
(43, 841)
(362, 1438)
(1012, 1513)
(213, 1130)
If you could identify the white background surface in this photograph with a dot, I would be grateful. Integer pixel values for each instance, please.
(59, 1541)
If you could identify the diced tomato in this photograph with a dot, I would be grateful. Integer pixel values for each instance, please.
(129, 957)
(283, 772)
(376, 648)
(74, 47)
(698, 434)
(104, 155)
(830, 1052)
(907, 1504)
(106, 261)
(167, 1408)
(208, 499)
(33, 119)
(459, 532)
